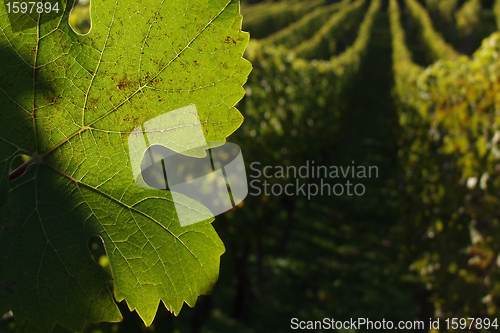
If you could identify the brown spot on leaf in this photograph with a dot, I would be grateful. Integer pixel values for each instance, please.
(124, 84)
(229, 40)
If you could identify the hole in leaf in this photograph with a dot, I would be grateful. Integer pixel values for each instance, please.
(18, 166)
(98, 251)
(79, 17)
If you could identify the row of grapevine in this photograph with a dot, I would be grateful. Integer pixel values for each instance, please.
(449, 138)
(288, 91)
(325, 42)
(468, 17)
(348, 62)
(305, 28)
(405, 69)
(434, 43)
(496, 9)
(270, 17)
(444, 9)
(447, 132)
(451, 158)
(292, 109)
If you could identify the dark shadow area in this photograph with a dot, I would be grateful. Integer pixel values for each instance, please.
(348, 38)
(44, 228)
(412, 39)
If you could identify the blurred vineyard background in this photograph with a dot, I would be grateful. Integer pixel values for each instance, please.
(412, 87)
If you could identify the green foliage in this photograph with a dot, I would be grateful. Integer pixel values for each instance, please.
(270, 17)
(448, 139)
(450, 158)
(445, 8)
(496, 9)
(461, 154)
(348, 63)
(468, 17)
(305, 28)
(70, 102)
(405, 70)
(434, 43)
(325, 42)
(290, 91)
(297, 110)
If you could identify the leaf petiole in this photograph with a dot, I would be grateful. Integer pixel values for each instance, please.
(21, 169)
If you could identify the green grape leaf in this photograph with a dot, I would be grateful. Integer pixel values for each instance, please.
(69, 102)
